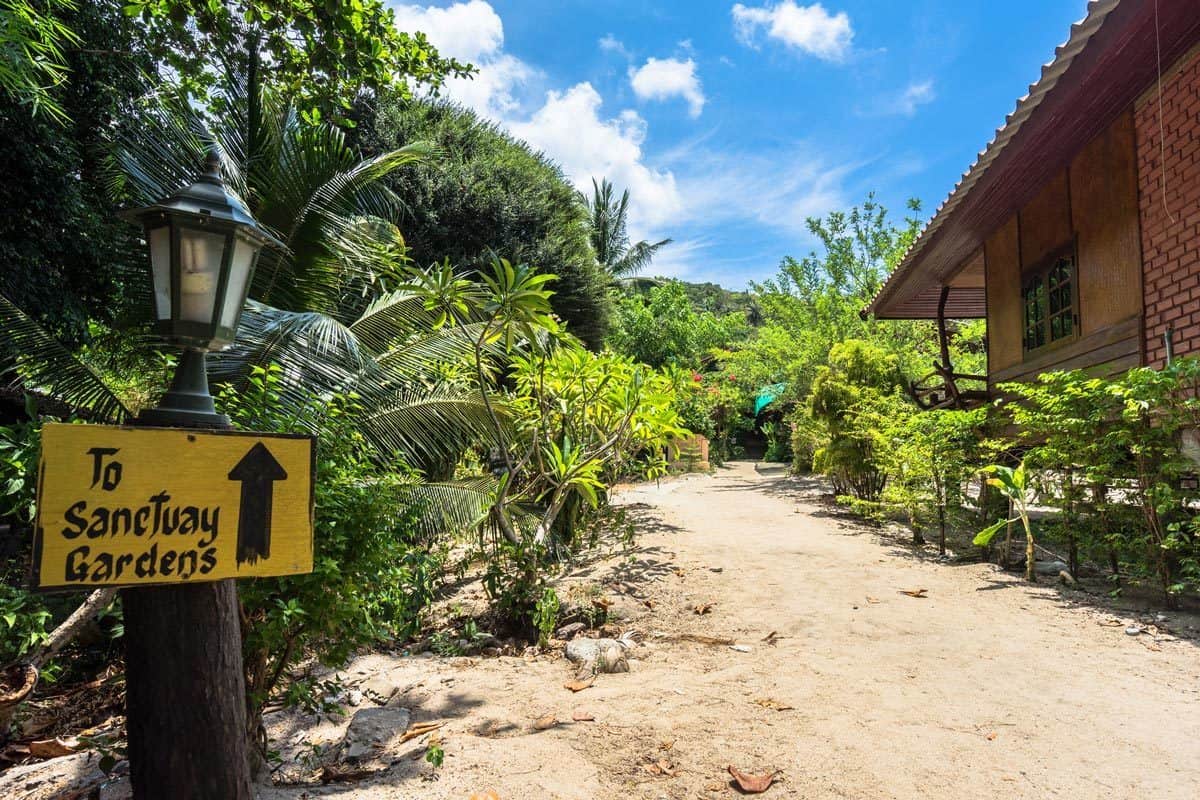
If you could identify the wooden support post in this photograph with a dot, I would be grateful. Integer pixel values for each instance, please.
(185, 693)
(943, 337)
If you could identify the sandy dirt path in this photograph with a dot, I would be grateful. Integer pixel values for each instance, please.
(985, 688)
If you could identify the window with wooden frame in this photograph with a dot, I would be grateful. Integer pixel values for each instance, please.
(1051, 312)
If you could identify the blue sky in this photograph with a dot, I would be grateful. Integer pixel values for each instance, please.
(730, 123)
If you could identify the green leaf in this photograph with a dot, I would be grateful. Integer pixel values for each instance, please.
(985, 536)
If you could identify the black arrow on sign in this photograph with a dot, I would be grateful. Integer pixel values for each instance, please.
(258, 470)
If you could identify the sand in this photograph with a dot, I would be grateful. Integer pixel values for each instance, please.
(985, 687)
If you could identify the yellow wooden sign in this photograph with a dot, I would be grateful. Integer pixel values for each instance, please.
(122, 506)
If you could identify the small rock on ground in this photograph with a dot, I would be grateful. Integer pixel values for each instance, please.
(371, 729)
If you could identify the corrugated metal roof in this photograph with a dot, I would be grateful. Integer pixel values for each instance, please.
(1064, 55)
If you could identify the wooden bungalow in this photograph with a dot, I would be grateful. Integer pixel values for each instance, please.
(1076, 233)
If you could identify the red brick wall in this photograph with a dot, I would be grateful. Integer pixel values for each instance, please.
(1171, 231)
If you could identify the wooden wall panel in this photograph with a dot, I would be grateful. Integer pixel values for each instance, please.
(1104, 208)
(1003, 264)
(1107, 352)
(1046, 221)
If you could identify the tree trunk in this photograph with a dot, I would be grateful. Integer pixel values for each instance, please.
(1006, 556)
(185, 692)
(1030, 555)
(941, 529)
(542, 534)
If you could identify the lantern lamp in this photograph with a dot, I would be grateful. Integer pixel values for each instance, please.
(204, 246)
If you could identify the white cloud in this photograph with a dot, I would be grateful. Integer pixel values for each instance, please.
(904, 104)
(494, 91)
(472, 31)
(570, 129)
(666, 78)
(611, 44)
(469, 31)
(778, 190)
(917, 94)
(568, 126)
(685, 193)
(811, 29)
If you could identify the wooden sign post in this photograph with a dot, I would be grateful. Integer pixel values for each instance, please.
(175, 515)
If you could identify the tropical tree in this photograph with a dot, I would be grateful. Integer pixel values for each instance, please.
(929, 456)
(33, 37)
(321, 55)
(64, 251)
(860, 377)
(328, 308)
(576, 416)
(609, 219)
(488, 193)
(661, 326)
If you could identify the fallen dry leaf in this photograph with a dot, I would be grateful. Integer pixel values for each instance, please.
(752, 784)
(991, 737)
(774, 705)
(666, 744)
(580, 715)
(914, 592)
(679, 572)
(490, 794)
(872, 600)
(580, 685)
(648, 604)
(772, 637)
(661, 767)
(702, 608)
(52, 748)
(603, 603)
(420, 729)
(545, 723)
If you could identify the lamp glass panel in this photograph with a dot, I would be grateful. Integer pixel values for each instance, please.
(200, 254)
(240, 267)
(160, 268)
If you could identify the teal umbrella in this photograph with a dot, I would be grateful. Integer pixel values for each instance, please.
(767, 395)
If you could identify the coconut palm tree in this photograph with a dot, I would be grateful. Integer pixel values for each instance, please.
(608, 219)
(328, 309)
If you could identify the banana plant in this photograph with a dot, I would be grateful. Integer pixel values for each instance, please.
(1012, 483)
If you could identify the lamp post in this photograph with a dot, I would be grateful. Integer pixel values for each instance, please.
(185, 686)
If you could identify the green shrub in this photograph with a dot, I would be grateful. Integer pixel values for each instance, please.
(859, 380)
(373, 574)
(1102, 447)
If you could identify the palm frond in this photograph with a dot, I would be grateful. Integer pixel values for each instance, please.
(422, 424)
(636, 258)
(44, 364)
(451, 507)
(316, 353)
